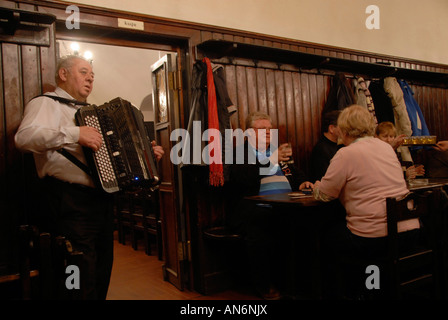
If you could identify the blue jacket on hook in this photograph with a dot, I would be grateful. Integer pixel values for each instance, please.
(418, 123)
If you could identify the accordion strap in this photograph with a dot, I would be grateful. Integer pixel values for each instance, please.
(64, 100)
(62, 151)
(75, 160)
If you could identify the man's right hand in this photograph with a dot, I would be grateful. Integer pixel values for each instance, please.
(90, 137)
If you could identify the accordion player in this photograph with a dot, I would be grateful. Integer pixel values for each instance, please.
(125, 160)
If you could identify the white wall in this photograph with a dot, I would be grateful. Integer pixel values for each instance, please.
(413, 29)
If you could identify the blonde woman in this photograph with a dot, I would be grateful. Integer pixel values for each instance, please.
(362, 175)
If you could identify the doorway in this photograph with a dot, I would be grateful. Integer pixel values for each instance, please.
(128, 72)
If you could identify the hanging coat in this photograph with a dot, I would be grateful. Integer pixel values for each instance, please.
(402, 121)
(383, 105)
(340, 95)
(198, 118)
(418, 123)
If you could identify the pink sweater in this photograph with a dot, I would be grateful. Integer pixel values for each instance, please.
(362, 175)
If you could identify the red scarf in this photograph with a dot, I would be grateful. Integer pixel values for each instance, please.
(216, 170)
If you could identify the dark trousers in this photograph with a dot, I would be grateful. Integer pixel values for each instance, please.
(262, 238)
(84, 216)
(346, 256)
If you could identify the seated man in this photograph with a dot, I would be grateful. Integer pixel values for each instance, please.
(326, 147)
(257, 222)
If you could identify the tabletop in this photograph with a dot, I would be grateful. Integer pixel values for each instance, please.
(307, 200)
(291, 198)
(426, 183)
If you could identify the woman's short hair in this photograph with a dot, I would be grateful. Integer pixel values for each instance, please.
(256, 115)
(385, 127)
(356, 121)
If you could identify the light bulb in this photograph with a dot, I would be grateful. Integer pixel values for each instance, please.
(88, 55)
(75, 47)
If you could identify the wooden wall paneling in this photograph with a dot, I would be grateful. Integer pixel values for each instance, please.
(280, 106)
(48, 64)
(230, 73)
(271, 95)
(12, 95)
(298, 118)
(430, 108)
(11, 204)
(2, 121)
(290, 112)
(307, 114)
(31, 72)
(440, 112)
(262, 90)
(241, 85)
(314, 111)
(443, 109)
(252, 94)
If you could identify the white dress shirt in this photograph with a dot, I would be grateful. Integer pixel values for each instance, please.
(47, 126)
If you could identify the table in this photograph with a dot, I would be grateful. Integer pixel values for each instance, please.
(312, 221)
(285, 199)
(431, 184)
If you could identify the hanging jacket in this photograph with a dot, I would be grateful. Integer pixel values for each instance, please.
(418, 123)
(340, 95)
(383, 105)
(365, 97)
(359, 94)
(402, 121)
(199, 113)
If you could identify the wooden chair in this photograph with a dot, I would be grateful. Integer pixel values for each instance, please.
(146, 221)
(123, 214)
(138, 215)
(410, 274)
(41, 267)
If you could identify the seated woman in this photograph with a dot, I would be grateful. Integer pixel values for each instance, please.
(362, 175)
(386, 131)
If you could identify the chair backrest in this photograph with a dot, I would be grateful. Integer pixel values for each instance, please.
(424, 206)
(412, 206)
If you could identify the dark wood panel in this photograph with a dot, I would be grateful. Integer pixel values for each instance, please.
(271, 94)
(433, 102)
(31, 72)
(22, 68)
(2, 123)
(12, 82)
(280, 106)
(252, 94)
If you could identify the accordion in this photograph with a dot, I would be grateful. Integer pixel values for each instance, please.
(126, 159)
